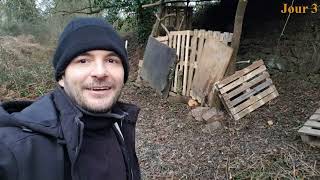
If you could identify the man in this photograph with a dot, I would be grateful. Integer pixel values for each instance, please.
(79, 131)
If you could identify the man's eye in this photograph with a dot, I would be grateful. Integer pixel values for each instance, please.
(111, 61)
(83, 61)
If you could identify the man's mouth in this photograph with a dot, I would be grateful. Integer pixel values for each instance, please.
(104, 88)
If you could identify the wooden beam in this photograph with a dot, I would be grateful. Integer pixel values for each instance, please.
(151, 5)
(237, 30)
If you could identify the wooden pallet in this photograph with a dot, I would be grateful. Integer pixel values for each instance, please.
(246, 90)
(189, 45)
(310, 131)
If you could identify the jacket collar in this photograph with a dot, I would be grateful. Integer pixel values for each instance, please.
(70, 115)
(39, 116)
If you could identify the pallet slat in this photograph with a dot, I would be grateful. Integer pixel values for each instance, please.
(237, 91)
(178, 47)
(309, 131)
(249, 93)
(242, 72)
(192, 60)
(162, 38)
(186, 59)
(311, 123)
(253, 99)
(256, 105)
(243, 79)
(181, 63)
(315, 117)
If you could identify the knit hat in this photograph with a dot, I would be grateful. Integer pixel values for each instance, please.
(85, 34)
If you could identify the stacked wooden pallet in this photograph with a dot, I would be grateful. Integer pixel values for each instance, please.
(310, 131)
(189, 46)
(246, 90)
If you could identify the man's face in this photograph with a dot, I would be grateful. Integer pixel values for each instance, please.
(94, 80)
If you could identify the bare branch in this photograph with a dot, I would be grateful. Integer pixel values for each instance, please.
(84, 10)
(163, 26)
(176, 1)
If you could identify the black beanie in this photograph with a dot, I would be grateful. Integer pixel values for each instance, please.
(85, 34)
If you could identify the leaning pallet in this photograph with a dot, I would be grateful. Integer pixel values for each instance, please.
(246, 90)
(189, 46)
(310, 131)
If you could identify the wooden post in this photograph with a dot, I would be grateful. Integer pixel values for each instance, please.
(242, 4)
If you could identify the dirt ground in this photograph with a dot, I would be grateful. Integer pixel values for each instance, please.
(171, 143)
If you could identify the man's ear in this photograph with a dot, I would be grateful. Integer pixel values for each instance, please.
(61, 82)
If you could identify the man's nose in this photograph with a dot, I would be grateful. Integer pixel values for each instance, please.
(100, 70)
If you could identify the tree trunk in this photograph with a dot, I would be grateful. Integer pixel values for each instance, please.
(155, 29)
(242, 4)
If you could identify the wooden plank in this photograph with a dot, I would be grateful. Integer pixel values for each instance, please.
(216, 35)
(178, 47)
(174, 44)
(256, 105)
(309, 131)
(176, 32)
(211, 67)
(311, 140)
(193, 47)
(176, 70)
(162, 38)
(209, 34)
(249, 93)
(170, 40)
(221, 38)
(230, 37)
(315, 124)
(242, 72)
(185, 32)
(225, 38)
(200, 44)
(225, 105)
(176, 79)
(252, 100)
(315, 117)
(243, 79)
(176, 35)
(180, 64)
(183, 48)
(186, 59)
(249, 84)
(198, 56)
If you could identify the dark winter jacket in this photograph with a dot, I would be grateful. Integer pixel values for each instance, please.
(38, 140)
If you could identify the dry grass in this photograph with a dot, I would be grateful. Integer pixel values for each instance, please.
(25, 69)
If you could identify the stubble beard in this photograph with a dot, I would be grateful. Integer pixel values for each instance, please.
(78, 97)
